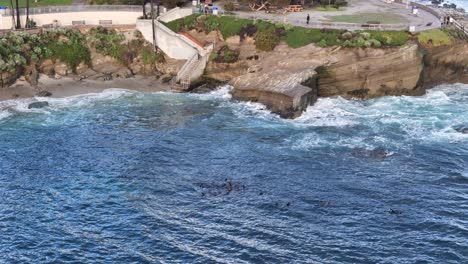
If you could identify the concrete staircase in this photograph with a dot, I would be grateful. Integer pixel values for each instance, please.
(178, 46)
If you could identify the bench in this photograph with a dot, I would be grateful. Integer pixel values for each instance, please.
(78, 22)
(294, 8)
(105, 22)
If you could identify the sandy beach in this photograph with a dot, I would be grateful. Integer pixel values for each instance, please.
(68, 86)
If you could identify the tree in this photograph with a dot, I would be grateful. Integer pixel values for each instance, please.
(12, 13)
(18, 21)
(152, 25)
(144, 9)
(27, 14)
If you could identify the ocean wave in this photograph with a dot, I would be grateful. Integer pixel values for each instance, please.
(10, 107)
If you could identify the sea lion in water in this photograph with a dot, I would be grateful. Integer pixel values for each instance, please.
(377, 153)
(395, 212)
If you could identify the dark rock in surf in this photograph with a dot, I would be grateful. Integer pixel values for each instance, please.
(37, 105)
(463, 130)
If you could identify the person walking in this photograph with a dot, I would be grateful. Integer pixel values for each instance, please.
(308, 18)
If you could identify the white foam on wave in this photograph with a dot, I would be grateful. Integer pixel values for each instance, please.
(4, 114)
(9, 107)
(221, 93)
(327, 112)
(314, 140)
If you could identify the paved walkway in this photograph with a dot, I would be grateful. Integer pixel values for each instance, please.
(355, 7)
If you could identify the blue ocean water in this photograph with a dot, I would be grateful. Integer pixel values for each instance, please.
(129, 177)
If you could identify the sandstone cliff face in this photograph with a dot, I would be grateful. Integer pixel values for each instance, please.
(445, 65)
(368, 73)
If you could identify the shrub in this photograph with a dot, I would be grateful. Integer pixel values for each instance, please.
(390, 38)
(347, 35)
(230, 56)
(225, 55)
(266, 40)
(70, 52)
(231, 26)
(229, 6)
(248, 31)
(322, 43)
(149, 57)
(109, 42)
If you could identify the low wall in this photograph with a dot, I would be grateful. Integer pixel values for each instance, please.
(175, 13)
(65, 15)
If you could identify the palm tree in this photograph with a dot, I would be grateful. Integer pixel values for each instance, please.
(18, 21)
(27, 14)
(144, 9)
(152, 25)
(12, 13)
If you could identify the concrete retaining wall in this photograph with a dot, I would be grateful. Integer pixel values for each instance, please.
(168, 41)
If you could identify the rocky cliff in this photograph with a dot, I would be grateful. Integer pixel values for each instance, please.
(278, 79)
(368, 73)
(445, 65)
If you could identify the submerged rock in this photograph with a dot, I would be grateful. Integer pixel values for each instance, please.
(37, 105)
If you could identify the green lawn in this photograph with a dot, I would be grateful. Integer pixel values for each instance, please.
(366, 17)
(22, 3)
(328, 8)
(435, 37)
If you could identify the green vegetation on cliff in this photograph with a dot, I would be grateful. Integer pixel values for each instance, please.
(435, 38)
(267, 35)
(20, 49)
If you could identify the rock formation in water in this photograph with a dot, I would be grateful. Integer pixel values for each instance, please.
(288, 80)
(285, 81)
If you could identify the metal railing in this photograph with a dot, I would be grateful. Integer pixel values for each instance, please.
(84, 8)
(460, 26)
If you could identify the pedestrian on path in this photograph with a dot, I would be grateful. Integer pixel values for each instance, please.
(308, 18)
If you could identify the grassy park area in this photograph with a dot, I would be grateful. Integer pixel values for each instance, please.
(32, 3)
(383, 18)
(267, 35)
(328, 8)
(435, 37)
